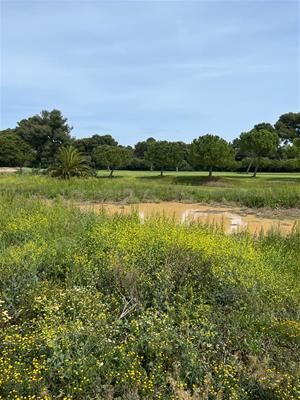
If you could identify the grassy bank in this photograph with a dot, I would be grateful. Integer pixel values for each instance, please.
(267, 190)
(99, 308)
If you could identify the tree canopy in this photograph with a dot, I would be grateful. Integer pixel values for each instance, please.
(141, 148)
(111, 156)
(14, 151)
(163, 154)
(178, 153)
(45, 133)
(259, 143)
(288, 126)
(87, 145)
(159, 154)
(211, 151)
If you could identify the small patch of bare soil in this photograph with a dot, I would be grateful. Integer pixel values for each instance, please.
(277, 213)
(9, 169)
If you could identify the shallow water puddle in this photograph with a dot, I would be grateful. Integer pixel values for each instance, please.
(231, 219)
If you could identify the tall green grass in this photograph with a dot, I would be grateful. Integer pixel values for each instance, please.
(268, 191)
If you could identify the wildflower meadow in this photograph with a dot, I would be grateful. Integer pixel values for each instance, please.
(98, 307)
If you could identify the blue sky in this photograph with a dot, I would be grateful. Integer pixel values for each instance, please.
(169, 69)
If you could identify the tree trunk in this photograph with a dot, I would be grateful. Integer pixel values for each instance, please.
(256, 168)
(210, 172)
(250, 165)
(161, 172)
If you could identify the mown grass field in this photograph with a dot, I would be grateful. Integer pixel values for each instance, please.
(94, 307)
(267, 190)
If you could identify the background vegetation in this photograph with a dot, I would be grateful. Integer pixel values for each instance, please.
(36, 141)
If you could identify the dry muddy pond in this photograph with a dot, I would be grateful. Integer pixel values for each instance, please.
(232, 219)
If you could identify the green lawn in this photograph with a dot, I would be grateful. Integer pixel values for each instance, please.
(267, 190)
(262, 175)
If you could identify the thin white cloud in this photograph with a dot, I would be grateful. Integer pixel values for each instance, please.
(131, 66)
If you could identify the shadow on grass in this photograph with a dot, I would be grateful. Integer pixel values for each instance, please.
(203, 180)
(191, 180)
(263, 177)
(229, 180)
(111, 178)
(283, 179)
(156, 178)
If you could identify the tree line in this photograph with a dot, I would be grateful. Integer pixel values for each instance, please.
(44, 141)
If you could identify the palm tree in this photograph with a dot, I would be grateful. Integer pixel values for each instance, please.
(69, 162)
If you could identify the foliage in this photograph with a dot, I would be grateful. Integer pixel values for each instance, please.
(137, 164)
(264, 126)
(141, 148)
(274, 165)
(69, 162)
(111, 156)
(164, 154)
(259, 143)
(288, 126)
(87, 145)
(45, 133)
(93, 307)
(179, 152)
(14, 152)
(291, 151)
(159, 154)
(296, 143)
(241, 144)
(211, 151)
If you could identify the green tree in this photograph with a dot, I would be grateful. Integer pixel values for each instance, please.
(140, 151)
(288, 126)
(69, 162)
(45, 133)
(14, 152)
(211, 151)
(264, 125)
(296, 147)
(259, 143)
(160, 154)
(178, 154)
(87, 145)
(241, 151)
(291, 151)
(140, 148)
(111, 156)
(296, 142)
